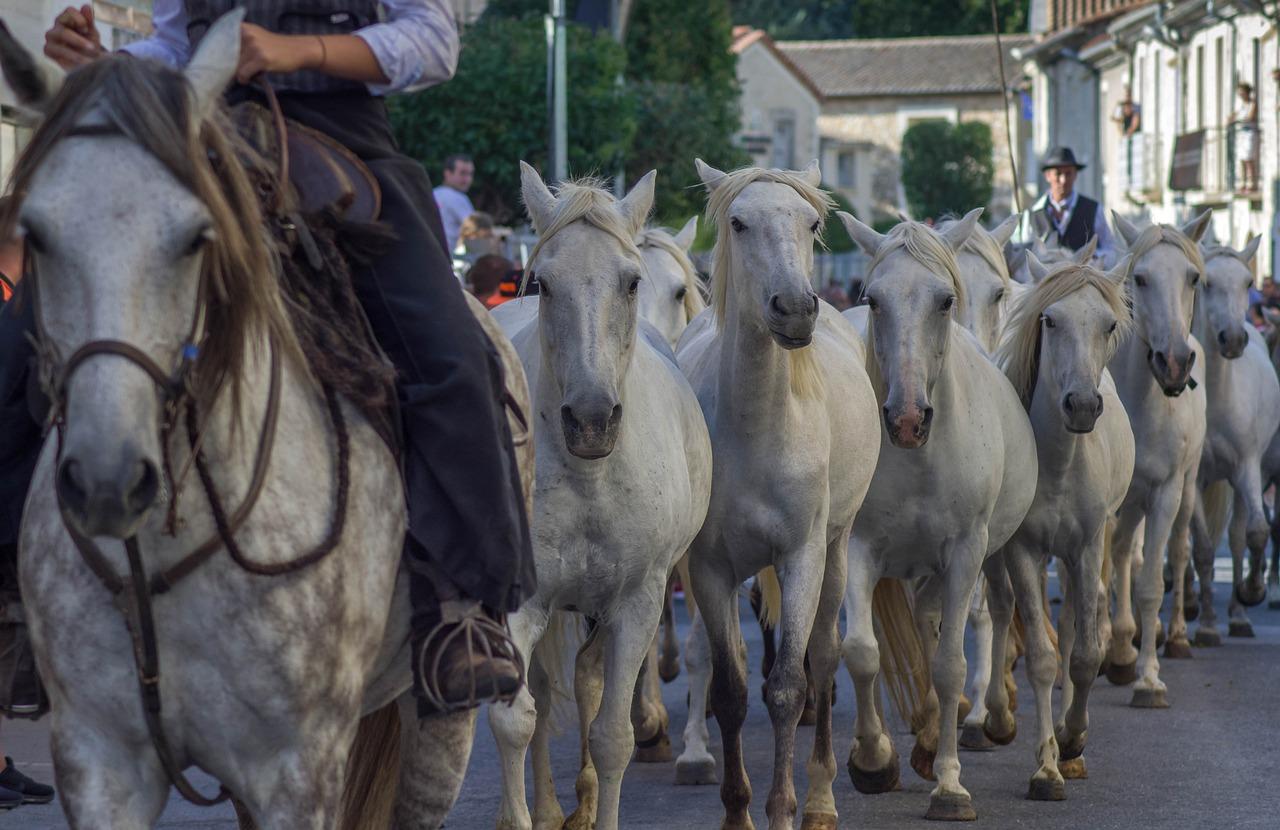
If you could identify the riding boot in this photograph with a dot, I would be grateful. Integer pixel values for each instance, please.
(462, 652)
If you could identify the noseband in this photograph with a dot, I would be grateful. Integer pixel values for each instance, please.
(133, 594)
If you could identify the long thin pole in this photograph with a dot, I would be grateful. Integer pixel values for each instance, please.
(1004, 91)
(560, 107)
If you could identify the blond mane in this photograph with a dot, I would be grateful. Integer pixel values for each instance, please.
(1019, 353)
(926, 246)
(806, 375)
(1156, 234)
(983, 244)
(664, 240)
(587, 201)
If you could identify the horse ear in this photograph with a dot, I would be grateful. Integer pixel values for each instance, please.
(710, 176)
(635, 206)
(812, 174)
(1128, 231)
(958, 233)
(1120, 271)
(1086, 253)
(684, 238)
(214, 63)
(538, 200)
(867, 238)
(1036, 268)
(1196, 227)
(34, 80)
(1004, 231)
(1250, 250)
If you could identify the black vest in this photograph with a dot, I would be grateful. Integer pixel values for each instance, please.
(1079, 229)
(290, 17)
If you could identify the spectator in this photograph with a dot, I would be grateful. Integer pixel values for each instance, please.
(836, 297)
(451, 196)
(1128, 114)
(477, 235)
(486, 277)
(1244, 123)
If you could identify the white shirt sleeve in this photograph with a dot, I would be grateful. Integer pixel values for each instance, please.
(417, 46)
(168, 41)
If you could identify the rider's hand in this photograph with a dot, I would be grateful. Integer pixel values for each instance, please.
(264, 51)
(73, 41)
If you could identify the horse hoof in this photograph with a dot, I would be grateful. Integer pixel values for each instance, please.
(818, 821)
(809, 717)
(873, 782)
(697, 772)
(951, 807)
(1239, 628)
(922, 762)
(1069, 746)
(1047, 789)
(1178, 649)
(1074, 769)
(1250, 596)
(1191, 611)
(579, 820)
(1122, 675)
(1149, 699)
(668, 669)
(992, 730)
(966, 706)
(656, 750)
(973, 738)
(1207, 637)
(744, 823)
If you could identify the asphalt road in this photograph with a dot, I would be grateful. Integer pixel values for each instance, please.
(1212, 760)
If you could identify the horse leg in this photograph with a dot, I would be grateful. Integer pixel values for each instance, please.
(1273, 576)
(928, 622)
(513, 726)
(971, 734)
(669, 654)
(648, 714)
(998, 725)
(588, 691)
(1238, 624)
(950, 801)
(1253, 590)
(824, 658)
(547, 812)
(101, 784)
(1042, 668)
(873, 762)
(770, 654)
(1082, 663)
(716, 593)
(1176, 645)
(1203, 552)
(629, 634)
(1149, 689)
(696, 765)
(1067, 622)
(1122, 657)
(434, 752)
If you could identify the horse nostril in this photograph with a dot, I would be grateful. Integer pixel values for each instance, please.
(616, 415)
(144, 486)
(1068, 404)
(775, 306)
(814, 297)
(1222, 337)
(72, 491)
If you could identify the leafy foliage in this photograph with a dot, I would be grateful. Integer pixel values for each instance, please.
(495, 109)
(834, 235)
(913, 18)
(797, 20)
(947, 168)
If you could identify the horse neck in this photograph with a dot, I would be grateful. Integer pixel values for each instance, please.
(1217, 369)
(1055, 446)
(754, 381)
(1131, 372)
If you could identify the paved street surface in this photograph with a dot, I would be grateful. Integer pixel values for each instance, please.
(1212, 760)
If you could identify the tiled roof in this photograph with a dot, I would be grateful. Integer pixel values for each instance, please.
(905, 66)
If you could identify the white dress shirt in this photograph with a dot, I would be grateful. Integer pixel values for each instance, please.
(454, 206)
(1106, 244)
(416, 45)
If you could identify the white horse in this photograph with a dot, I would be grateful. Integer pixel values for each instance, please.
(1159, 373)
(956, 475)
(154, 255)
(1243, 416)
(792, 417)
(1055, 351)
(623, 482)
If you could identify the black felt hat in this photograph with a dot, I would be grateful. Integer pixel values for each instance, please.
(1060, 157)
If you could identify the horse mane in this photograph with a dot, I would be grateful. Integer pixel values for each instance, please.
(1019, 353)
(152, 106)
(586, 200)
(1216, 249)
(1156, 234)
(983, 244)
(663, 239)
(926, 246)
(806, 375)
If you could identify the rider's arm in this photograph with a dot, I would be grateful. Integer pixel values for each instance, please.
(416, 47)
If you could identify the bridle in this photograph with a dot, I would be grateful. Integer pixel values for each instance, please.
(133, 593)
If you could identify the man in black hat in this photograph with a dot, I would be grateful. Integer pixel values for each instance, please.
(1062, 215)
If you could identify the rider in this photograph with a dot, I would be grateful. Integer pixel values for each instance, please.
(331, 63)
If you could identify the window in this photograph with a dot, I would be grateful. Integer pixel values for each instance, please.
(784, 141)
(846, 169)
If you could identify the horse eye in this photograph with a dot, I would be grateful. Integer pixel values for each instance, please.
(33, 240)
(1048, 322)
(1195, 278)
(997, 299)
(634, 287)
(680, 292)
(197, 244)
(948, 303)
(872, 304)
(1139, 280)
(544, 290)
(1111, 329)
(814, 227)
(737, 225)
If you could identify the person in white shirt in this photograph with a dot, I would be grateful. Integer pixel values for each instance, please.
(1061, 215)
(468, 536)
(451, 197)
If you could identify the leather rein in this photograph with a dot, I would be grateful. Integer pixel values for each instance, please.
(133, 593)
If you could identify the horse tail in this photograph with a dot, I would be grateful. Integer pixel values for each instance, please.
(373, 771)
(770, 597)
(902, 661)
(690, 604)
(1217, 508)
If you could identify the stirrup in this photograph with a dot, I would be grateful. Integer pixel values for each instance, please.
(461, 618)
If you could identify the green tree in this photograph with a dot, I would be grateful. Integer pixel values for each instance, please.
(495, 109)
(682, 74)
(913, 18)
(798, 19)
(947, 168)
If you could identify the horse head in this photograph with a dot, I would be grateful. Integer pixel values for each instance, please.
(985, 275)
(912, 288)
(669, 294)
(1222, 300)
(589, 272)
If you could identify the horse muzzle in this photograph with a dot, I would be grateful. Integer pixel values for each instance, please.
(107, 497)
(591, 432)
(1081, 410)
(791, 322)
(908, 425)
(1172, 371)
(1232, 342)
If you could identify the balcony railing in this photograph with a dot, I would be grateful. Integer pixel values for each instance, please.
(1139, 164)
(1205, 160)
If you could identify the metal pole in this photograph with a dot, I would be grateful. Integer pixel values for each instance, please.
(549, 29)
(560, 106)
